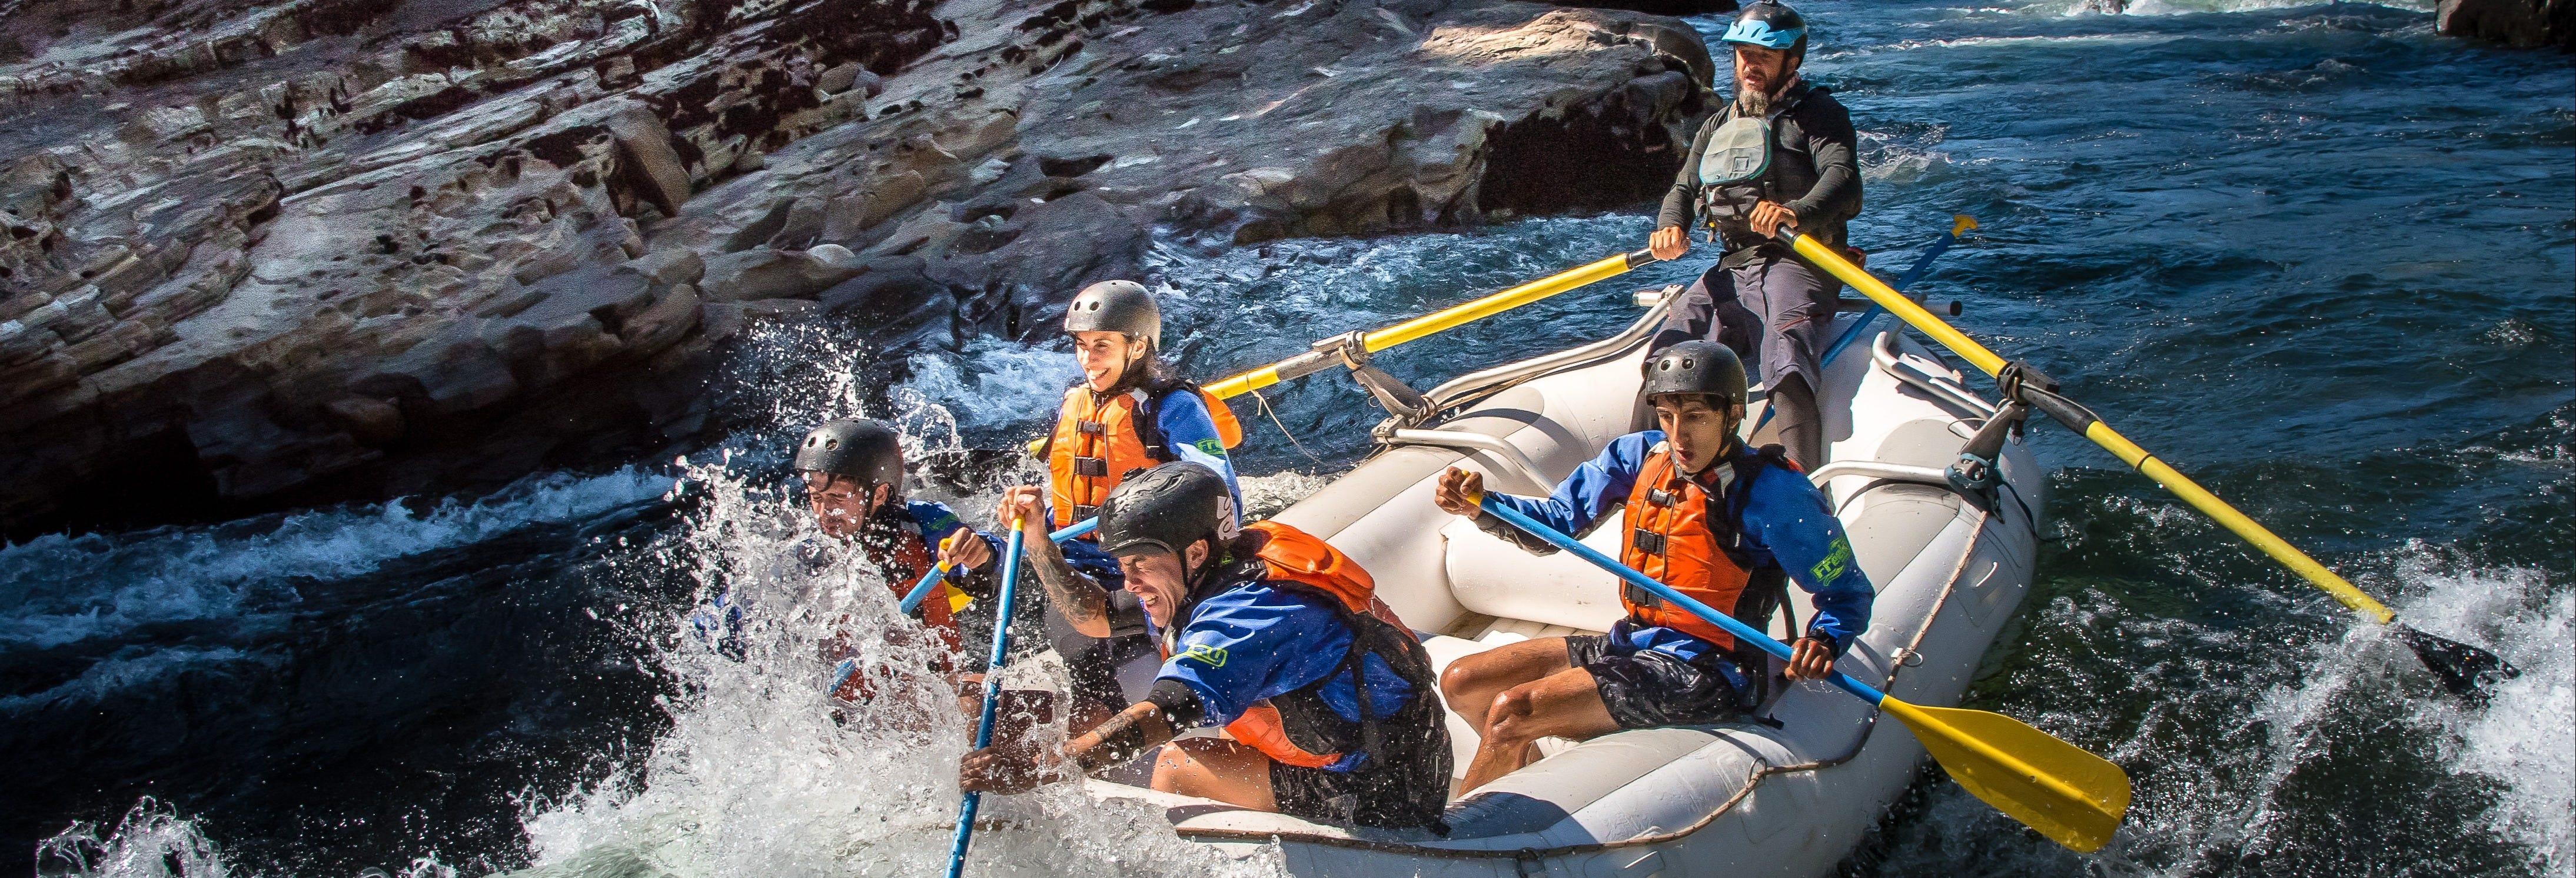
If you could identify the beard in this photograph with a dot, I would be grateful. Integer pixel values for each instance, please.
(1749, 101)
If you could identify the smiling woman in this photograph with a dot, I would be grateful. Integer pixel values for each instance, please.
(2240, 226)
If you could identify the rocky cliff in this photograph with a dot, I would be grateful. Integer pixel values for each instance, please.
(260, 255)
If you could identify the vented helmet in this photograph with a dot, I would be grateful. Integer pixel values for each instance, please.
(1116, 306)
(1769, 24)
(1697, 367)
(1167, 508)
(867, 451)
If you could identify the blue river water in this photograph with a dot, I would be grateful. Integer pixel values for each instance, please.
(2317, 256)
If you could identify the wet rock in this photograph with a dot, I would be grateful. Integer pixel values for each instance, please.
(427, 259)
(664, 322)
(773, 274)
(644, 144)
(850, 77)
(369, 420)
(2518, 23)
(669, 267)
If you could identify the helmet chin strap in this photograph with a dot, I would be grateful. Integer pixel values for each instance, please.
(1193, 581)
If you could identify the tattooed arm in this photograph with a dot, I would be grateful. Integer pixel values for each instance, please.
(1083, 603)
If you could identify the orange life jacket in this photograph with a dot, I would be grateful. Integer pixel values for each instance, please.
(903, 564)
(1296, 556)
(1295, 559)
(1099, 439)
(1682, 536)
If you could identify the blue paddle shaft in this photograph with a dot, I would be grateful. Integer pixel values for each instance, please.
(992, 691)
(1741, 631)
(921, 590)
(1922, 266)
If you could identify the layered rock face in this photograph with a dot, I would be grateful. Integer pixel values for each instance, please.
(265, 255)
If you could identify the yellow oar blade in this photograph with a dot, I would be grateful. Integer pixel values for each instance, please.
(2073, 797)
(1317, 360)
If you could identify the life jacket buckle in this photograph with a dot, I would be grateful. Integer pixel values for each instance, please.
(1647, 541)
(1085, 512)
(1091, 428)
(1091, 467)
(1639, 596)
(1660, 497)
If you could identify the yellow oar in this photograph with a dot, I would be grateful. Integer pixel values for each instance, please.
(1322, 358)
(2465, 670)
(2073, 797)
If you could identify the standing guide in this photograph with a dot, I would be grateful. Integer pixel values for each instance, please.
(1782, 153)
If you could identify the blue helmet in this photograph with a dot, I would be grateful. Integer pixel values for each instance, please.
(1769, 24)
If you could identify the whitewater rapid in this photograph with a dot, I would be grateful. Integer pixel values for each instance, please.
(2192, 215)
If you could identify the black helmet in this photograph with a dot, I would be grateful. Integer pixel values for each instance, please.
(1769, 24)
(868, 451)
(1696, 367)
(1116, 306)
(1167, 508)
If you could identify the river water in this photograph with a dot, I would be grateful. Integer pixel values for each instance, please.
(2318, 256)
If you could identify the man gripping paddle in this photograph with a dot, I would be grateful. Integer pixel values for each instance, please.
(1704, 515)
(1782, 153)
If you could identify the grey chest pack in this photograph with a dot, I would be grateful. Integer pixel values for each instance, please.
(1735, 169)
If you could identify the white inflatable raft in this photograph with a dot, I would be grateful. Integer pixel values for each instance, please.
(1735, 800)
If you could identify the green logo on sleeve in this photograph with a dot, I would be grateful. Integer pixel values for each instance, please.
(1838, 560)
(1211, 656)
(1212, 447)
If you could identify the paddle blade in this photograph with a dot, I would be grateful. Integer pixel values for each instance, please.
(2073, 797)
(2465, 670)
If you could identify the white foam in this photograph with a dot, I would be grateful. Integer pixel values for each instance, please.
(2525, 737)
(56, 589)
(755, 777)
(151, 841)
(1265, 496)
(993, 382)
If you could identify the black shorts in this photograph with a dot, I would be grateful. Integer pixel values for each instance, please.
(1644, 688)
(1360, 797)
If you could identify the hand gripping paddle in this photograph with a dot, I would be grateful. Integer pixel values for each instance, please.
(992, 691)
(2073, 797)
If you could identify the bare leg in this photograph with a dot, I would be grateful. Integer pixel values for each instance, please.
(1564, 704)
(1215, 768)
(1473, 682)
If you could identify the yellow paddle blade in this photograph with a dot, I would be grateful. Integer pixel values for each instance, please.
(2073, 797)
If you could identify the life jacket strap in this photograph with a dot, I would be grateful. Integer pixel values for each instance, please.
(1647, 541)
(1091, 467)
(1640, 596)
(1091, 428)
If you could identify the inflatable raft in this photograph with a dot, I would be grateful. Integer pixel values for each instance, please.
(1786, 794)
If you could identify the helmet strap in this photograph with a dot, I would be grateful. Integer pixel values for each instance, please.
(1217, 559)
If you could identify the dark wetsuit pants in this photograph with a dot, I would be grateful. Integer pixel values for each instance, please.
(1775, 311)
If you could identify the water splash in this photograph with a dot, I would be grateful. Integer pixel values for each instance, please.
(2234, 736)
(762, 774)
(151, 841)
(2526, 738)
(49, 586)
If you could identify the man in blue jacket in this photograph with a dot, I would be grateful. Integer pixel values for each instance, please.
(1267, 631)
(1703, 514)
